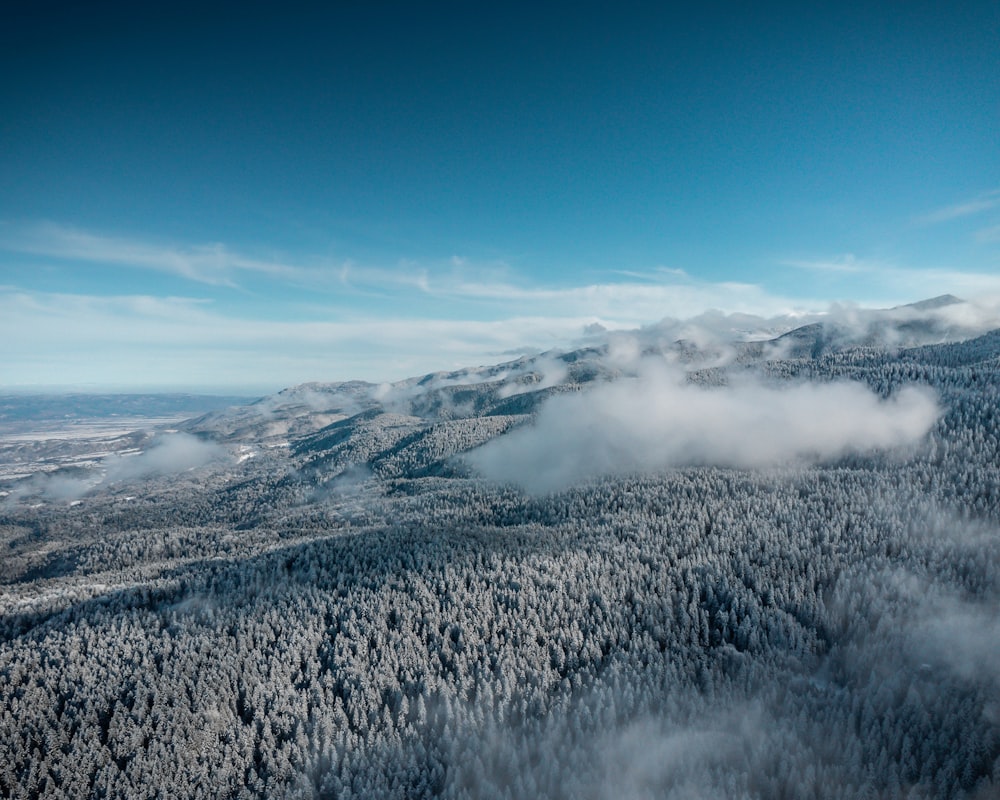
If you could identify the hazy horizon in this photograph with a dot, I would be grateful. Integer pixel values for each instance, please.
(955, 319)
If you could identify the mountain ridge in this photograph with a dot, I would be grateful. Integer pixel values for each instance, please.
(519, 386)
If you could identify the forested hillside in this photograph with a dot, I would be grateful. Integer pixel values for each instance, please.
(351, 590)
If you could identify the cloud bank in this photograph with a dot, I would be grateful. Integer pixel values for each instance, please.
(169, 454)
(657, 421)
(257, 324)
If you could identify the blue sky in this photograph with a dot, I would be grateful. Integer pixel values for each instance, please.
(249, 196)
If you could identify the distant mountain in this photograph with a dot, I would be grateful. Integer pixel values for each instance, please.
(517, 387)
(25, 407)
(912, 325)
(295, 411)
(415, 426)
(323, 409)
(934, 303)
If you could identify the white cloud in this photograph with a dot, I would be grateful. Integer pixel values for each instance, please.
(990, 234)
(942, 626)
(217, 264)
(211, 263)
(961, 635)
(647, 297)
(393, 322)
(544, 372)
(657, 421)
(631, 304)
(974, 205)
(845, 263)
(975, 286)
(54, 486)
(135, 340)
(169, 454)
(895, 283)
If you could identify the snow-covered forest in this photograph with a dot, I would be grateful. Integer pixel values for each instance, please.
(619, 572)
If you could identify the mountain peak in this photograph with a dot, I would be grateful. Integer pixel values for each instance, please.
(932, 303)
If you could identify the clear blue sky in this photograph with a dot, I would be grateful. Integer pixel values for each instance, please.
(252, 195)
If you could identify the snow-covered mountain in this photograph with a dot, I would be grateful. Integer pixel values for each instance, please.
(416, 426)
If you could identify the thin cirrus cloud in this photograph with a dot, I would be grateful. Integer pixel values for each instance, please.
(645, 298)
(213, 264)
(62, 338)
(641, 297)
(143, 340)
(846, 263)
(907, 283)
(185, 342)
(355, 321)
(635, 302)
(966, 208)
(990, 234)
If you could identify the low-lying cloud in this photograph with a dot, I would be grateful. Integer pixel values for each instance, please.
(169, 454)
(58, 486)
(657, 421)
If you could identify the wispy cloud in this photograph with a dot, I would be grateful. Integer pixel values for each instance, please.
(941, 280)
(883, 278)
(966, 208)
(633, 303)
(146, 340)
(167, 454)
(143, 340)
(845, 263)
(213, 264)
(990, 234)
(349, 320)
(219, 265)
(484, 289)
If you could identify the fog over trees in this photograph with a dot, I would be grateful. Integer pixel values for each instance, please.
(612, 573)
